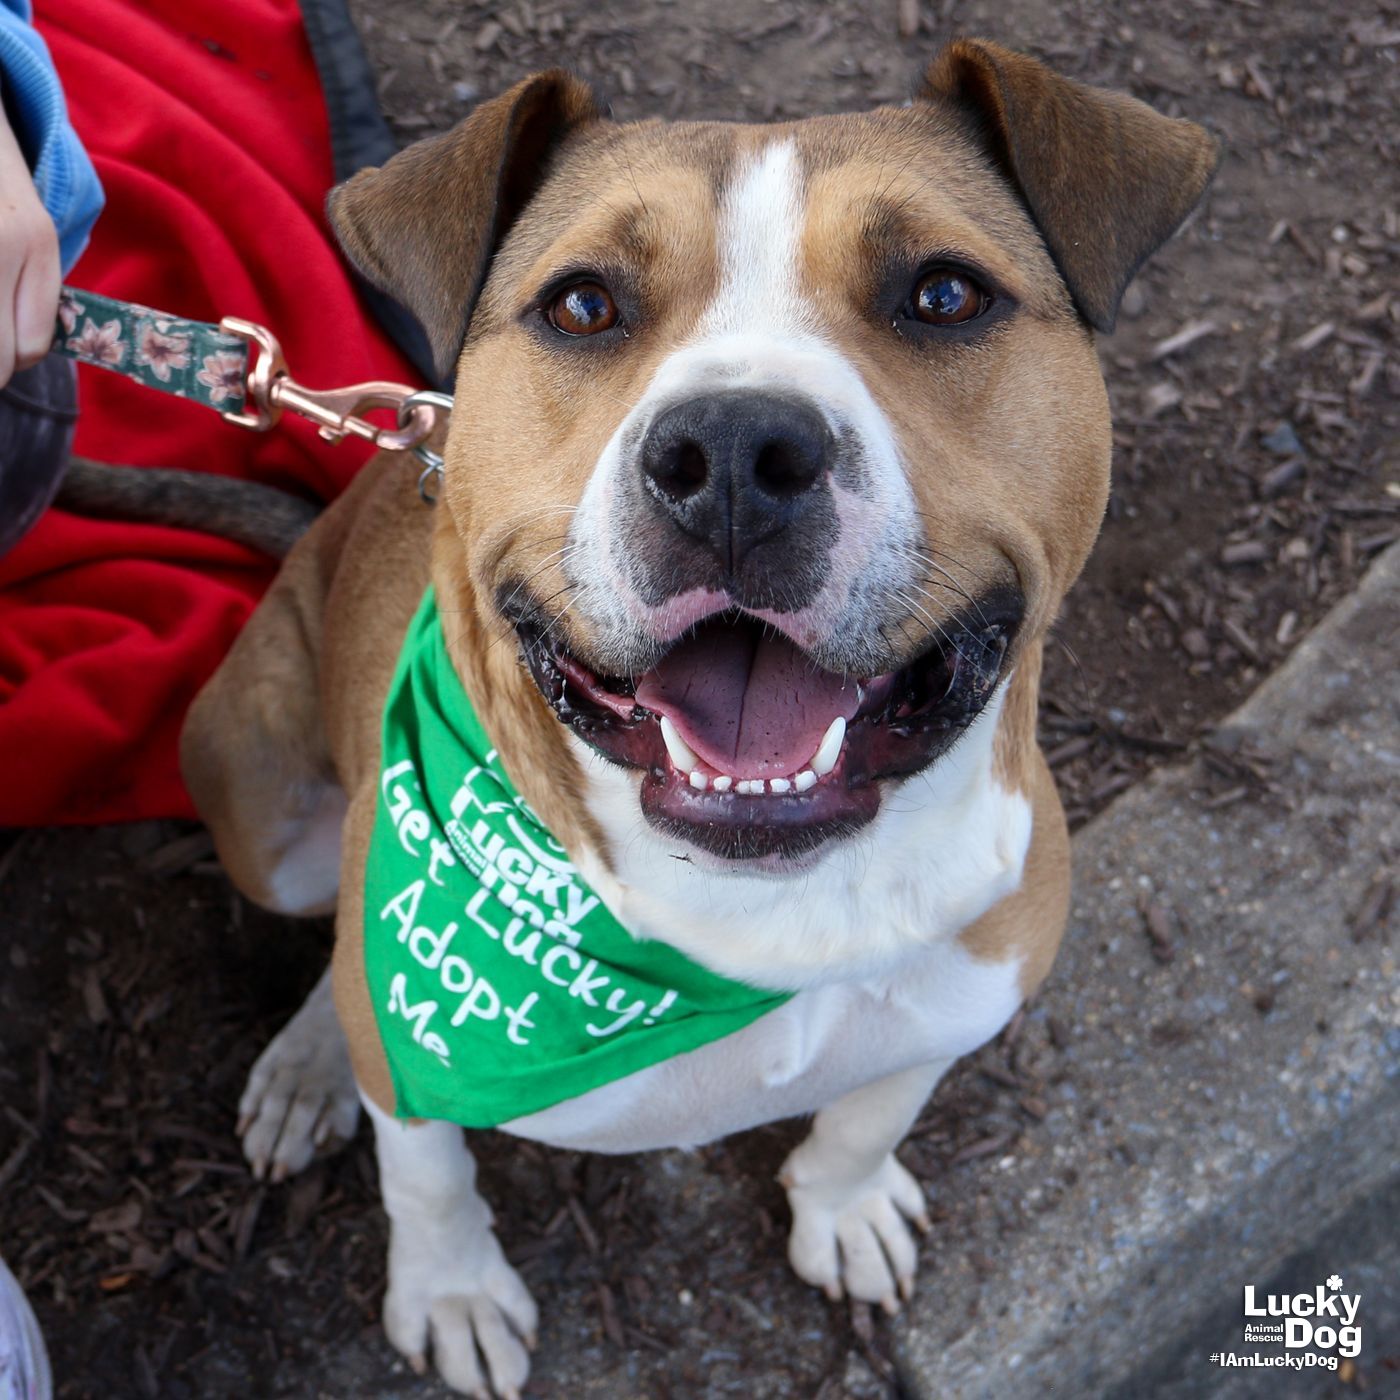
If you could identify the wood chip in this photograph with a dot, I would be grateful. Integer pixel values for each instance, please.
(1366, 376)
(1262, 86)
(1158, 398)
(1071, 748)
(175, 857)
(908, 18)
(1157, 921)
(116, 1220)
(1375, 906)
(1241, 640)
(1244, 552)
(1225, 799)
(612, 1324)
(585, 1226)
(94, 1002)
(1189, 334)
(1310, 340)
(1276, 482)
(1195, 644)
(983, 1147)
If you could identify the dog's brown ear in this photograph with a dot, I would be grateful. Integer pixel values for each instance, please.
(424, 226)
(1106, 179)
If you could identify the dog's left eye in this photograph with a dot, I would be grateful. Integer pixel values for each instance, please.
(947, 297)
(583, 309)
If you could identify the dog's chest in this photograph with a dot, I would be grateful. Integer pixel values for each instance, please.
(823, 1043)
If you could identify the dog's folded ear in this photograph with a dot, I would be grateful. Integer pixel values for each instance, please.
(1106, 179)
(423, 227)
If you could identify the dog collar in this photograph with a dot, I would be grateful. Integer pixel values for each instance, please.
(502, 984)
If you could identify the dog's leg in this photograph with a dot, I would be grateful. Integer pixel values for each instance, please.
(450, 1287)
(850, 1198)
(255, 758)
(300, 1098)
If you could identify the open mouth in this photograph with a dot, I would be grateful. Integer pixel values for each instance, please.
(750, 749)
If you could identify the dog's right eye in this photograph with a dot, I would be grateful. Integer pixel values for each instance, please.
(582, 309)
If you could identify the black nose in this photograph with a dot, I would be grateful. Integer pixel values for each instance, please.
(735, 469)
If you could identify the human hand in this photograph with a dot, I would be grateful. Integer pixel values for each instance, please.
(30, 273)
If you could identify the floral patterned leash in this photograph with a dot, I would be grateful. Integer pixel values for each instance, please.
(213, 365)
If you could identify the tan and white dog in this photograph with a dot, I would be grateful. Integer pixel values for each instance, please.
(744, 414)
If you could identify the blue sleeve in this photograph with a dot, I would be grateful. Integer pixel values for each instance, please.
(33, 97)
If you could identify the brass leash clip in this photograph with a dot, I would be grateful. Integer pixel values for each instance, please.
(271, 391)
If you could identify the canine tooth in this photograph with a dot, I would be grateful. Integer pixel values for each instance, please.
(723, 783)
(779, 784)
(829, 750)
(681, 753)
(804, 780)
(699, 780)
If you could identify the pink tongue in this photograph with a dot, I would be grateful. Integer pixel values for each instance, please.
(750, 704)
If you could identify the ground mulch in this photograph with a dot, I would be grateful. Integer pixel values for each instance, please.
(1253, 381)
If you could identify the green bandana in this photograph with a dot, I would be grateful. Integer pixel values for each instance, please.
(501, 982)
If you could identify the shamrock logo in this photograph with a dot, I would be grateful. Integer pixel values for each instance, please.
(1335, 1281)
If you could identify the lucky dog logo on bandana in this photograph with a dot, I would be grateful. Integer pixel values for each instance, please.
(501, 982)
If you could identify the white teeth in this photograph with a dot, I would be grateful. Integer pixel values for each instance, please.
(682, 755)
(750, 787)
(778, 784)
(699, 780)
(723, 783)
(804, 780)
(824, 760)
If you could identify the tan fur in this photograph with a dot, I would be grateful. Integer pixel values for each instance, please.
(1029, 923)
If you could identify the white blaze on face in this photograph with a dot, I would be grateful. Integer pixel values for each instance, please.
(760, 230)
(761, 332)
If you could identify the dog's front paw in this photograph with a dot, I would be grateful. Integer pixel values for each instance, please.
(853, 1235)
(301, 1097)
(466, 1311)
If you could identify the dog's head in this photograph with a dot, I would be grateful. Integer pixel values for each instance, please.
(774, 446)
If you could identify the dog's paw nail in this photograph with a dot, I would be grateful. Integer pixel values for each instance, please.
(259, 1168)
(890, 1304)
(906, 1288)
(280, 1172)
(832, 1291)
(241, 1127)
(922, 1223)
(785, 1180)
(418, 1364)
(532, 1340)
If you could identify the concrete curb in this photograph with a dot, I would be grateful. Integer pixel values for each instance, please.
(1217, 1112)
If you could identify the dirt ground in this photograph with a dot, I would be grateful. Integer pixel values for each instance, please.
(1253, 381)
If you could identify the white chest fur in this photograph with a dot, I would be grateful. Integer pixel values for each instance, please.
(822, 1044)
(867, 932)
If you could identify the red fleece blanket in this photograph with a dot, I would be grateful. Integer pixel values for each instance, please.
(206, 123)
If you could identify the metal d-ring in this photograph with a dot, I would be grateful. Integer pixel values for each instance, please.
(430, 478)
